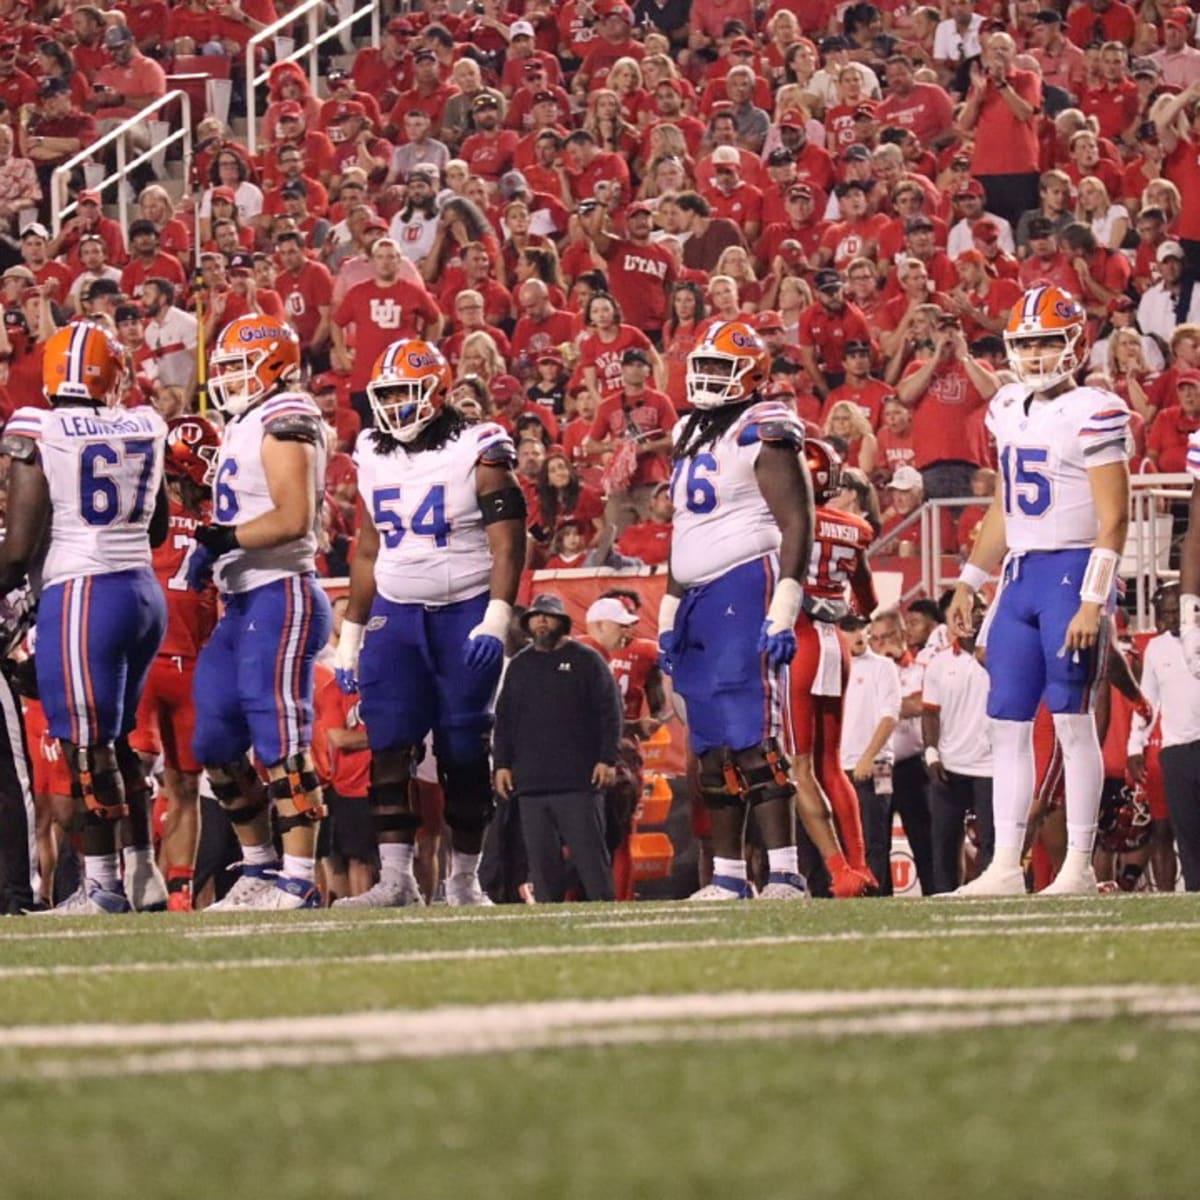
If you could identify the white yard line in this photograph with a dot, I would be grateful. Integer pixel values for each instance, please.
(493, 953)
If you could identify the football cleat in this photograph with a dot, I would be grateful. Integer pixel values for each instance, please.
(725, 887)
(253, 879)
(283, 894)
(387, 893)
(784, 885)
(144, 883)
(994, 881)
(465, 891)
(90, 900)
(1073, 881)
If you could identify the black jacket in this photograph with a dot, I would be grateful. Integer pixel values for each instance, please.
(558, 715)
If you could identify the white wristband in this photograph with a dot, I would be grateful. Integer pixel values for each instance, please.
(932, 756)
(349, 643)
(668, 606)
(1099, 577)
(784, 611)
(973, 577)
(496, 619)
(1189, 610)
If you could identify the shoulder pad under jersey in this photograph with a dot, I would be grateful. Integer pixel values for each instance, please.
(771, 422)
(493, 445)
(19, 446)
(295, 426)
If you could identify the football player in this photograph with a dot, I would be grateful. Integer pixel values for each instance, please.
(819, 674)
(434, 577)
(741, 542)
(254, 678)
(86, 504)
(166, 718)
(1058, 522)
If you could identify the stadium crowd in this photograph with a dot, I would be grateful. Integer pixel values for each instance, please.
(565, 199)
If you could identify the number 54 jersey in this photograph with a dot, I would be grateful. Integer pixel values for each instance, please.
(433, 548)
(1045, 449)
(103, 468)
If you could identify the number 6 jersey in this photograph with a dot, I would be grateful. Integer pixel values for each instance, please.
(103, 467)
(721, 519)
(433, 548)
(1045, 448)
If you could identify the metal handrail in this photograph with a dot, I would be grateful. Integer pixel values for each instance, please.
(62, 173)
(312, 10)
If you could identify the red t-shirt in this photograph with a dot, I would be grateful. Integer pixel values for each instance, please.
(649, 541)
(828, 332)
(940, 419)
(489, 155)
(1002, 295)
(606, 356)
(303, 294)
(537, 337)
(639, 278)
(1113, 105)
(869, 398)
(895, 450)
(846, 240)
(631, 667)
(1004, 145)
(161, 266)
(381, 315)
(926, 112)
(650, 413)
(1168, 438)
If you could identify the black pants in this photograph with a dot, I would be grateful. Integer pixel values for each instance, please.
(1008, 196)
(1191, 249)
(1181, 780)
(910, 798)
(948, 479)
(877, 832)
(16, 805)
(950, 804)
(576, 820)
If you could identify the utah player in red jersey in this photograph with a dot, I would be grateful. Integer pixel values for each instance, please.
(818, 678)
(167, 716)
(634, 664)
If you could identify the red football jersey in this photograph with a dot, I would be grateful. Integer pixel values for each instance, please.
(840, 542)
(190, 615)
(631, 667)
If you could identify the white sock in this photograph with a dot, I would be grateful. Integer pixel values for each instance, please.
(1012, 787)
(260, 856)
(138, 855)
(102, 869)
(395, 861)
(1076, 861)
(464, 864)
(1083, 778)
(732, 868)
(784, 861)
(296, 866)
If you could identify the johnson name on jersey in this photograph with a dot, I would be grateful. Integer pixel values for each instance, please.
(721, 519)
(240, 491)
(103, 468)
(433, 547)
(1045, 450)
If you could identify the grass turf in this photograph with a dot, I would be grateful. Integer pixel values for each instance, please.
(1089, 1108)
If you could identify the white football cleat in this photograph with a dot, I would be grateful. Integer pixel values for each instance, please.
(144, 884)
(90, 899)
(784, 885)
(387, 893)
(1073, 881)
(724, 887)
(284, 894)
(464, 891)
(994, 881)
(244, 892)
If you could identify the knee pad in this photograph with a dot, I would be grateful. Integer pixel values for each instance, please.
(468, 789)
(228, 783)
(720, 784)
(100, 787)
(399, 792)
(765, 772)
(293, 779)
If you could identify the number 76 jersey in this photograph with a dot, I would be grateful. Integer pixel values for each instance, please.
(1045, 449)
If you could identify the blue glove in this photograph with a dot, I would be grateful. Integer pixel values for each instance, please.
(780, 648)
(346, 680)
(668, 649)
(483, 652)
(200, 568)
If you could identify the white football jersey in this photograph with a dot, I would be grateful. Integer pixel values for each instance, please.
(1193, 455)
(1045, 448)
(240, 493)
(721, 519)
(433, 547)
(104, 467)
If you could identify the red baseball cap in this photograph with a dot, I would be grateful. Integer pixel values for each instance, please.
(971, 188)
(742, 43)
(225, 193)
(504, 387)
(89, 197)
(348, 109)
(766, 320)
(985, 231)
(326, 381)
(289, 110)
(1189, 377)
(972, 256)
(1179, 16)
(791, 119)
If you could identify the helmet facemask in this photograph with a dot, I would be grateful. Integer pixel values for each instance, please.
(235, 383)
(403, 407)
(1043, 359)
(715, 379)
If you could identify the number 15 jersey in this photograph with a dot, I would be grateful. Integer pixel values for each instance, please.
(1045, 449)
(103, 468)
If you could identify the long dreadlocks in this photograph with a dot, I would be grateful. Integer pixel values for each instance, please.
(447, 426)
(706, 426)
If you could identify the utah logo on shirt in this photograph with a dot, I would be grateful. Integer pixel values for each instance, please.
(386, 314)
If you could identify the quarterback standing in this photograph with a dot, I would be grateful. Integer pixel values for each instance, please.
(85, 506)
(254, 678)
(1058, 521)
(434, 577)
(740, 548)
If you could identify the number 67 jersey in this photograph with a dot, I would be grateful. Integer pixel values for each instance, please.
(1046, 446)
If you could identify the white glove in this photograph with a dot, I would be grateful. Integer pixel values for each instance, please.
(345, 657)
(1189, 632)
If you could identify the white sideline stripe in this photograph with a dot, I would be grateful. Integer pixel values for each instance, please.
(458, 1031)
(492, 953)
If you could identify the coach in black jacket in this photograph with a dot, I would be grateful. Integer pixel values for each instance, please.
(558, 729)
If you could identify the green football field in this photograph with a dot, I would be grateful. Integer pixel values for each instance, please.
(1015, 1049)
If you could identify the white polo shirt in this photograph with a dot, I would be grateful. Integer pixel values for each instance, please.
(872, 694)
(907, 741)
(956, 684)
(1174, 693)
(172, 344)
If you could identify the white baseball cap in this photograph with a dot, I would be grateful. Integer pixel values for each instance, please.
(522, 29)
(906, 479)
(609, 608)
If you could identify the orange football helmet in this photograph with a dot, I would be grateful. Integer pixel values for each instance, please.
(825, 467)
(408, 387)
(727, 366)
(85, 362)
(192, 445)
(253, 355)
(1051, 321)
